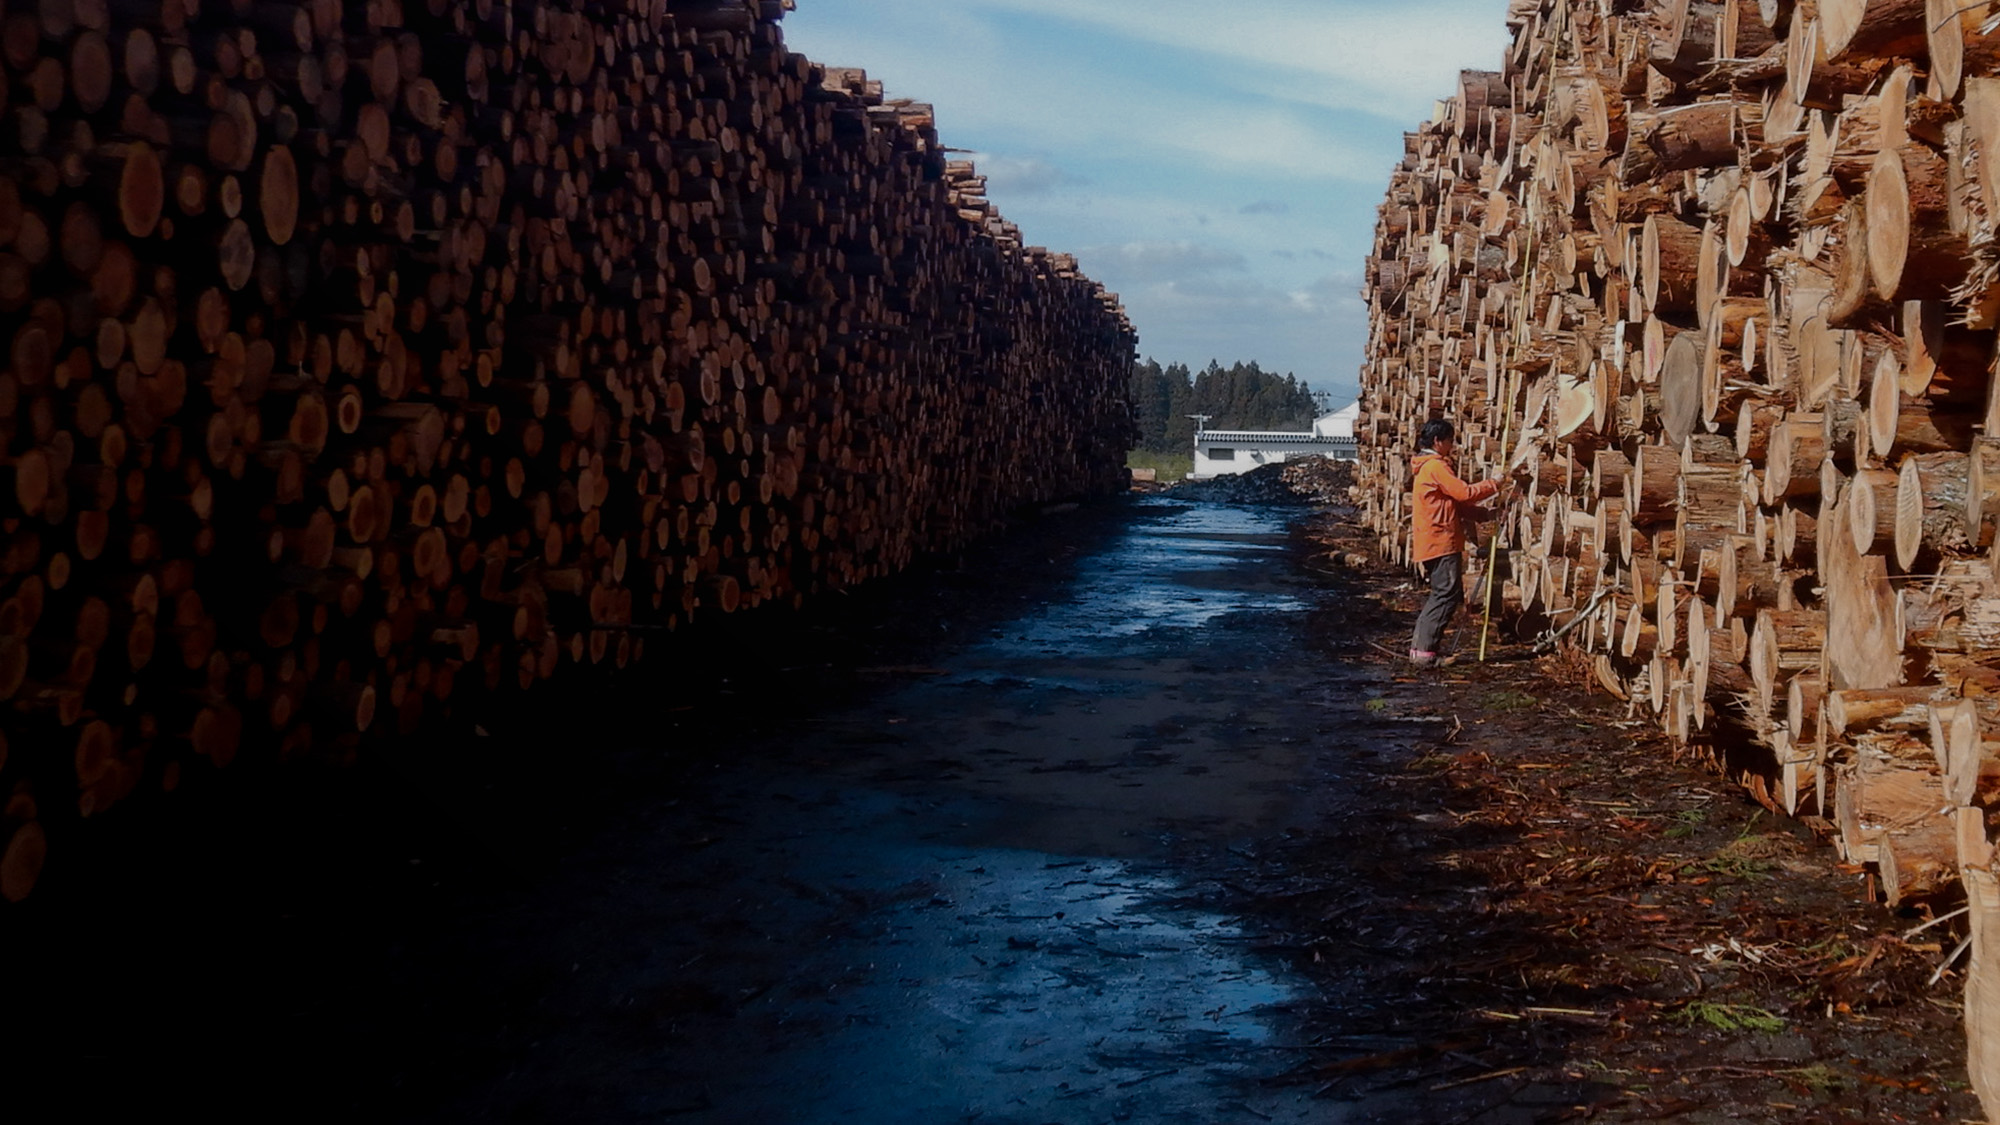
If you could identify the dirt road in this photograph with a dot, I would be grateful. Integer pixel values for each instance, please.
(1121, 820)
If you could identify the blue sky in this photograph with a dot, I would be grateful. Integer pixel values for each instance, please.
(1217, 165)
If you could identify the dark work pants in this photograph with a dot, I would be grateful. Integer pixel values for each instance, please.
(1446, 575)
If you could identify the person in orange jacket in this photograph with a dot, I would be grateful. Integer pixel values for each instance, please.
(1444, 504)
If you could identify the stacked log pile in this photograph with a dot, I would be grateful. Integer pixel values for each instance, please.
(368, 356)
(1720, 281)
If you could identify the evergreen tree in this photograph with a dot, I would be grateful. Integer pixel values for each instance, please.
(1152, 401)
(1242, 396)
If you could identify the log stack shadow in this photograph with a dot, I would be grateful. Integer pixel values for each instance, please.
(372, 358)
(1719, 279)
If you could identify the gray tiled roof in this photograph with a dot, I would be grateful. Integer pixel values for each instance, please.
(1254, 437)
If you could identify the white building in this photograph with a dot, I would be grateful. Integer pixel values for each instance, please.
(1340, 423)
(1219, 453)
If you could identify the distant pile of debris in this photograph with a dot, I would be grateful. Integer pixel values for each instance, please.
(1321, 480)
(1312, 480)
(1262, 485)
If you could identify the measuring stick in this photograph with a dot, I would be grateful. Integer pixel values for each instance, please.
(1493, 553)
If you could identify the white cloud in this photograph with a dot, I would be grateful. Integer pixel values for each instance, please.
(1025, 175)
(1316, 332)
(1099, 216)
(953, 57)
(1407, 53)
(1275, 139)
(1158, 261)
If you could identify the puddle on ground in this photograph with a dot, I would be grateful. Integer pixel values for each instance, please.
(961, 896)
(988, 837)
(1032, 987)
(1177, 566)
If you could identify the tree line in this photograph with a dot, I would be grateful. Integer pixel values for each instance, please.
(1241, 396)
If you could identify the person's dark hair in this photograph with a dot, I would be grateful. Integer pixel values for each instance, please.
(1434, 431)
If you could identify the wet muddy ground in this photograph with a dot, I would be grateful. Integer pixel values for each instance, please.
(1123, 819)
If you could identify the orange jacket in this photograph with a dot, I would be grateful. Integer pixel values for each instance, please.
(1443, 501)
